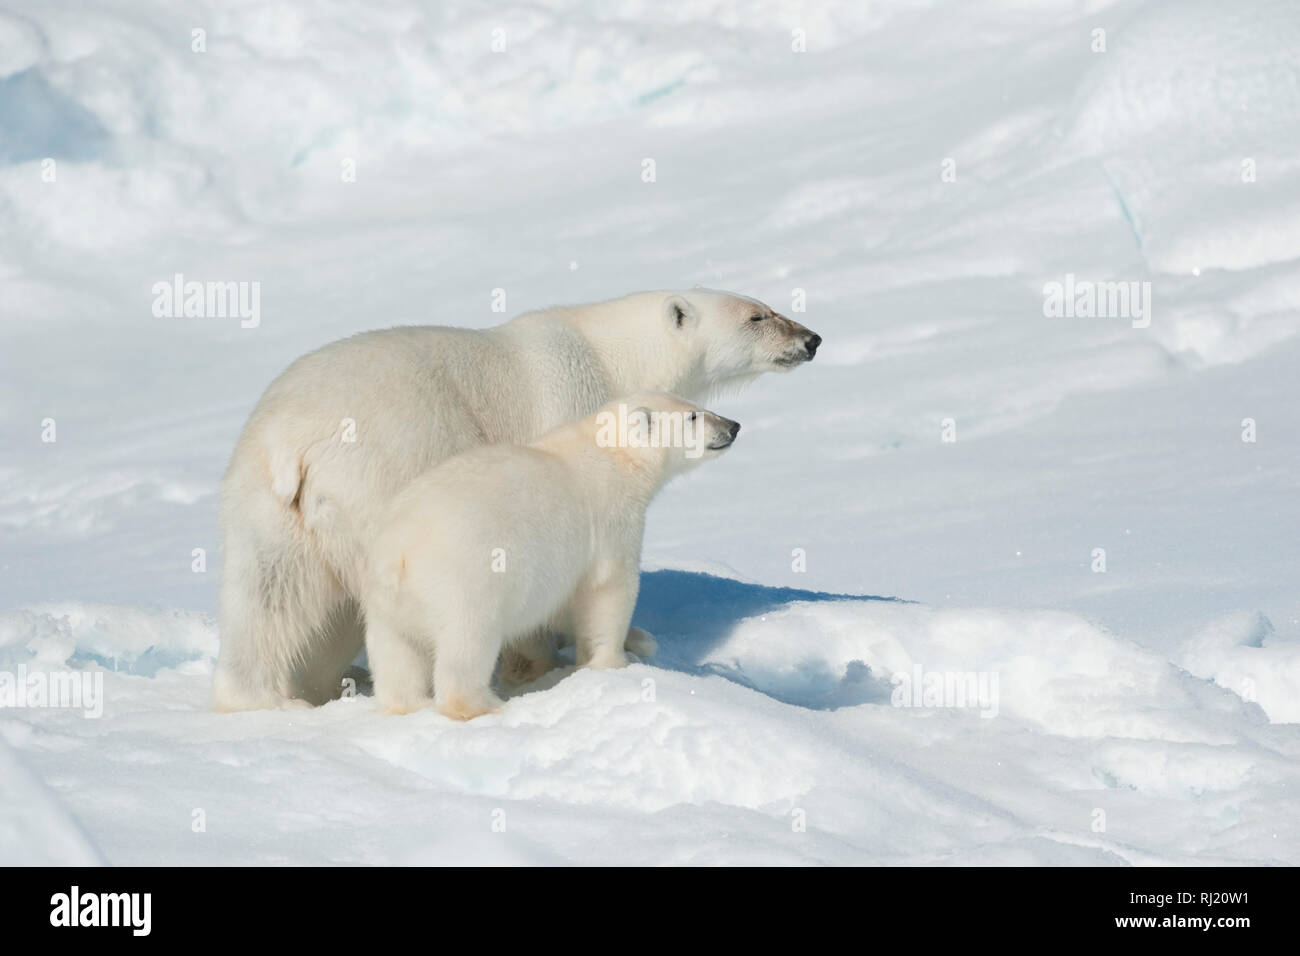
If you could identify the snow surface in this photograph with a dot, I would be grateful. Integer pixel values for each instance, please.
(1161, 697)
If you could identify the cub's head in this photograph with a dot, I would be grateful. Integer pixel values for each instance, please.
(733, 337)
(662, 433)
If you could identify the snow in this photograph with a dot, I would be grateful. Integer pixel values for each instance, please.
(1146, 714)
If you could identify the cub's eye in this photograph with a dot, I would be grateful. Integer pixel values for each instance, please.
(756, 317)
(692, 416)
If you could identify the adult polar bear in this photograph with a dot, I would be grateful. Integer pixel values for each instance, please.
(346, 427)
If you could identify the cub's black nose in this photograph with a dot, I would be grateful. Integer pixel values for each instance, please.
(735, 430)
(812, 343)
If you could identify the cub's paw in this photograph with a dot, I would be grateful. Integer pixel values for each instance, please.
(404, 705)
(467, 706)
(609, 658)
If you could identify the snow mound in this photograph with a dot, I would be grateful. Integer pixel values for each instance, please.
(1052, 669)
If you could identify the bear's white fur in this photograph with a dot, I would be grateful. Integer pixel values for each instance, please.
(494, 544)
(340, 431)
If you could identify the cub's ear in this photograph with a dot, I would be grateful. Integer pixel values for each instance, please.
(680, 313)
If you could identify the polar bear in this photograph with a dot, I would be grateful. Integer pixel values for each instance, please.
(344, 428)
(500, 541)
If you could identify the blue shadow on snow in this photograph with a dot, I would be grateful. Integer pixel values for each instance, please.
(691, 613)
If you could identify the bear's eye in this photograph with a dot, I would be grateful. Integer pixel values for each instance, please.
(756, 317)
(692, 416)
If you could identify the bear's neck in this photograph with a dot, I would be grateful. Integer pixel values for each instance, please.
(641, 368)
(632, 363)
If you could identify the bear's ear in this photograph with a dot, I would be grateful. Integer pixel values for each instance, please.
(680, 313)
(640, 417)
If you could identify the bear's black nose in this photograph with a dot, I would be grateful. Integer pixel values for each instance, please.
(812, 343)
(735, 430)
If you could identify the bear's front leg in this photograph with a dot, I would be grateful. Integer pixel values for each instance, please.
(601, 613)
(528, 658)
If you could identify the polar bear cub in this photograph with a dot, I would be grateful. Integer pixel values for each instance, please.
(486, 548)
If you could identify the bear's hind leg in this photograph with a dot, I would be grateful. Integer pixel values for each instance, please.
(269, 611)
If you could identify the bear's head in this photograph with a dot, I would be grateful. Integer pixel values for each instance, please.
(733, 338)
(662, 433)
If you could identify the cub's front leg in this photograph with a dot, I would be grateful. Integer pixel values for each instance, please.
(600, 614)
